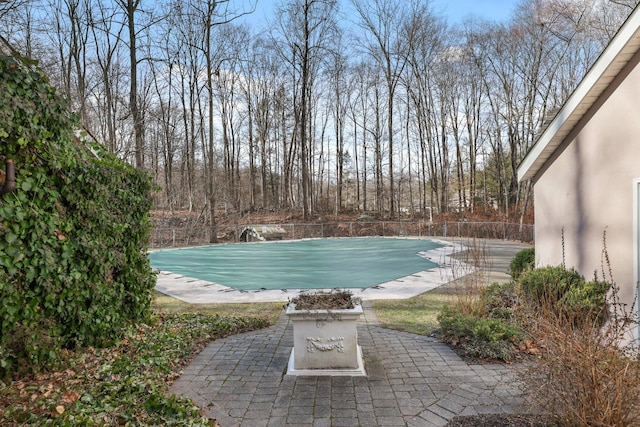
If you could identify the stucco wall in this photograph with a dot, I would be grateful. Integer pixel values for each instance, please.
(587, 189)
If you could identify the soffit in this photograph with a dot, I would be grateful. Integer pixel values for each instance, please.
(613, 59)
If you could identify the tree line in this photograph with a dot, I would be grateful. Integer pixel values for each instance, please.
(329, 106)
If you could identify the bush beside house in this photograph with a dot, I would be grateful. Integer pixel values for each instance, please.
(585, 367)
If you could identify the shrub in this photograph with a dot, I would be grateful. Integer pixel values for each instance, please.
(565, 292)
(585, 376)
(523, 261)
(586, 303)
(547, 285)
(500, 300)
(589, 370)
(73, 264)
(479, 336)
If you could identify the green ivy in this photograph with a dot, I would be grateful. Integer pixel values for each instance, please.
(73, 235)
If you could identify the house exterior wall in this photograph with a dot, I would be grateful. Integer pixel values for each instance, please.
(586, 188)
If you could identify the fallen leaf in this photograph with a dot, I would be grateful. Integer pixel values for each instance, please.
(46, 391)
(58, 411)
(70, 396)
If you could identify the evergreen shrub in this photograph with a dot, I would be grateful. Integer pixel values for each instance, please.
(566, 293)
(523, 261)
(547, 285)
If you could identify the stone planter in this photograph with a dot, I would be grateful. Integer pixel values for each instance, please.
(325, 342)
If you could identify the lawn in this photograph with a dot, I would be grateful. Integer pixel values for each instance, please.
(417, 315)
(268, 310)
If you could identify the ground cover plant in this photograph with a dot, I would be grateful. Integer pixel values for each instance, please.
(124, 384)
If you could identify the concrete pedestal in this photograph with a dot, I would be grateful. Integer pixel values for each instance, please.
(325, 342)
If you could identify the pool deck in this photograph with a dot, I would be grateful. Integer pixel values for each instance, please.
(411, 380)
(196, 291)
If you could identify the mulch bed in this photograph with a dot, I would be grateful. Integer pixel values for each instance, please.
(504, 420)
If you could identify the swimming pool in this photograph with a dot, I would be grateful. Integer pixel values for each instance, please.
(301, 264)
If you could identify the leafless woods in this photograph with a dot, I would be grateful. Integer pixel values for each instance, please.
(359, 105)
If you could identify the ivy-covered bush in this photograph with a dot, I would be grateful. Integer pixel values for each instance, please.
(73, 235)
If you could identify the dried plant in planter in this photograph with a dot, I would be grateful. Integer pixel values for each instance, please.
(335, 300)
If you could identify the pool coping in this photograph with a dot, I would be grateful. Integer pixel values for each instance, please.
(197, 291)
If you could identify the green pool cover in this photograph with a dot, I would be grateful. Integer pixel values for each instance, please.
(302, 264)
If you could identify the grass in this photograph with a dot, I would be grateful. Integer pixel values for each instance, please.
(418, 315)
(269, 311)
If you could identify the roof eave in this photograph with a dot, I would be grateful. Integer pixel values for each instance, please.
(613, 59)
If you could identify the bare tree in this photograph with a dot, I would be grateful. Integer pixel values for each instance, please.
(130, 10)
(220, 115)
(338, 77)
(106, 33)
(381, 22)
(11, 6)
(70, 19)
(262, 88)
(305, 28)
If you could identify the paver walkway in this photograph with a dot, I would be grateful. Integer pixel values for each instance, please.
(411, 380)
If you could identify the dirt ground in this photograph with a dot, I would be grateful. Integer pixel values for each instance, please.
(183, 217)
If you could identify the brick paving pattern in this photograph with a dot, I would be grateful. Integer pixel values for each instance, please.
(411, 380)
